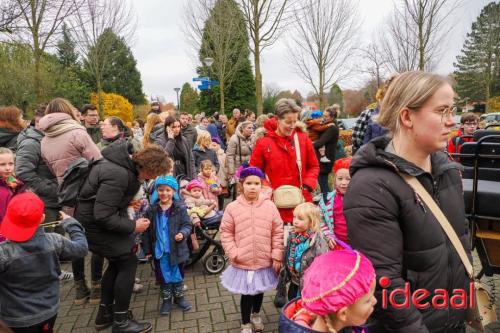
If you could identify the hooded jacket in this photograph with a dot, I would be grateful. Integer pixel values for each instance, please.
(275, 155)
(252, 233)
(31, 168)
(239, 150)
(190, 133)
(8, 138)
(64, 142)
(390, 224)
(103, 201)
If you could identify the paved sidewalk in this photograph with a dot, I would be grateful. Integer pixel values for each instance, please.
(214, 309)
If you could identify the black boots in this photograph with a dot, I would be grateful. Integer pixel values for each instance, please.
(175, 291)
(124, 323)
(104, 317)
(179, 298)
(82, 292)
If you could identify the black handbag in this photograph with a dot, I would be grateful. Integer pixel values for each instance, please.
(280, 297)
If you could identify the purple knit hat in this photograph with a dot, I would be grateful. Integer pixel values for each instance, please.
(250, 171)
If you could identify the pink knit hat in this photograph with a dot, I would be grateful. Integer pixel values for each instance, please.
(336, 279)
(195, 183)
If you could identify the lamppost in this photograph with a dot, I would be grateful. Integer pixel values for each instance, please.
(208, 62)
(177, 93)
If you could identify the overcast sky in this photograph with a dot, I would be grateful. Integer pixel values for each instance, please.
(164, 60)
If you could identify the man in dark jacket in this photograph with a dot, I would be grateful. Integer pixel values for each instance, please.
(31, 167)
(102, 209)
(391, 225)
(29, 268)
(188, 130)
(90, 117)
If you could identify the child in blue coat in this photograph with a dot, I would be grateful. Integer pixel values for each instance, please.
(165, 242)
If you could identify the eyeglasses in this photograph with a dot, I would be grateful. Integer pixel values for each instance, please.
(450, 111)
(470, 124)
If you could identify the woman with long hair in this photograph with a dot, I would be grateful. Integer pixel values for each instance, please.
(390, 223)
(152, 126)
(11, 124)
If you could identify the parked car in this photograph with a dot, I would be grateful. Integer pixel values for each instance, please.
(490, 117)
(347, 124)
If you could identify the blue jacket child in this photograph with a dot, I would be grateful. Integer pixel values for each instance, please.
(166, 242)
(29, 264)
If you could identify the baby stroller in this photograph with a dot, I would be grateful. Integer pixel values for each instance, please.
(206, 232)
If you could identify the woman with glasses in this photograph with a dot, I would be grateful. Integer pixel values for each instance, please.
(390, 223)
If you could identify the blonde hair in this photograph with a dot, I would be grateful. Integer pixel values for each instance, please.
(408, 90)
(204, 139)
(61, 105)
(151, 121)
(4, 150)
(309, 212)
(261, 119)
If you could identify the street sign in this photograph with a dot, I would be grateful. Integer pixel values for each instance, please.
(202, 79)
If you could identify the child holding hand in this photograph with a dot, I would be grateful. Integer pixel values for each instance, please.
(252, 237)
(165, 242)
(338, 295)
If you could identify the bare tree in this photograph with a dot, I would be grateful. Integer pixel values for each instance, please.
(417, 31)
(38, 23)
(214, 30)
(372, 53)
(93, 25)
(322, 42)
(265, 20)
(9, 13)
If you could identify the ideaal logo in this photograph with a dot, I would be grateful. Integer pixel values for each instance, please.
(441, 299)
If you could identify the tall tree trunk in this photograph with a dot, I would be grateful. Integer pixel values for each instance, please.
(322, 102)
(256, 54)
(221, 87)
(100, 101)
(38, 76)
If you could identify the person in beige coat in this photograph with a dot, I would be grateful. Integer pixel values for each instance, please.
(239, 148)
(252, 237)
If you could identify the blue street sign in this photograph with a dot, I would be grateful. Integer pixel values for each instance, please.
(202, 87)
(202, 79)
(213, 83)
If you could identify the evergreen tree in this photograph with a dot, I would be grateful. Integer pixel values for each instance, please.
(335, 96)
(189, 99)
(71, 84)
(239, 89)
(478, 67)
(66, 53)
(120, 74)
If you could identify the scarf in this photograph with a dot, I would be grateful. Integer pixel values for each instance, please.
(63, 126)
(296, 239)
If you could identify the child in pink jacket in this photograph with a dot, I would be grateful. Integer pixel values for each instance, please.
(252, 237)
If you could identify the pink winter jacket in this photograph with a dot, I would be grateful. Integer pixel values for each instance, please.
(252, 233)
(64, 142)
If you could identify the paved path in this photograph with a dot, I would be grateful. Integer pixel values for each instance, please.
(214, 309)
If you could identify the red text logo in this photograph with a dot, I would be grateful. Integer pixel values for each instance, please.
(440, 298)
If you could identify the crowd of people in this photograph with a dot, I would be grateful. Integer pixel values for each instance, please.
(145, 187)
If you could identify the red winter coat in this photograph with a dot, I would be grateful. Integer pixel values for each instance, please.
(275, 155)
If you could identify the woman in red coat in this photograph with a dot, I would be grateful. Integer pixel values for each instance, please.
(274, 153)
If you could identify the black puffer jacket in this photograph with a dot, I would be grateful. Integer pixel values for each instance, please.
(400, 235)
(328, 139)
(31, 167)
(8, 138)
(104, 197)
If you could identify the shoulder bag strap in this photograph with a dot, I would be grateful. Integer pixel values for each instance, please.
(239, 149)
(443, 221)
(298, 157)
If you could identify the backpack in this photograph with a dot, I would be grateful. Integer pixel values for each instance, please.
(73, 180)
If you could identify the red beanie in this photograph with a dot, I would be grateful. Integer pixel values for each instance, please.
(342, 163)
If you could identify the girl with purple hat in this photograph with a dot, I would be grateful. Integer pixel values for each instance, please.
(336, 298)
(252, 237)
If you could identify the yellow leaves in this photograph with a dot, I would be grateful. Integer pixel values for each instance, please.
(114, 105)
(493, 104)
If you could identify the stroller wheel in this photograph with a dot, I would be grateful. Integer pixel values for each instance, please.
(214, 263)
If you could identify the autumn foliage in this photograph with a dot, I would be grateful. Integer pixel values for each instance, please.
(114, 105)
